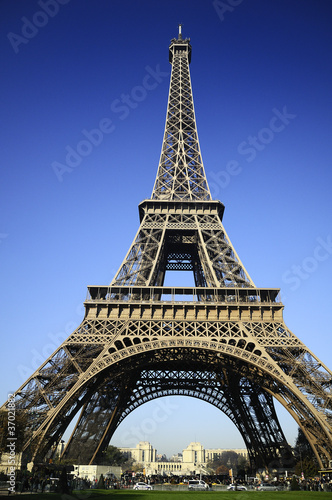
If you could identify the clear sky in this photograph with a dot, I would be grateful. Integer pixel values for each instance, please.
(262, 79)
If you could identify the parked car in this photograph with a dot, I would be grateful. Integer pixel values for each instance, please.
(197, 484)
(267, 487)
(142, 486)
(238, 487)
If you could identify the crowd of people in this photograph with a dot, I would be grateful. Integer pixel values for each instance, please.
(37, 483)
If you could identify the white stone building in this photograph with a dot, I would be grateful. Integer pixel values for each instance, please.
(194, 453)
(215, 453)
(194, 459)
(142, 453)
(93, 472)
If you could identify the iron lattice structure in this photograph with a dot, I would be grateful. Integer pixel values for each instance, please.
(223, 341)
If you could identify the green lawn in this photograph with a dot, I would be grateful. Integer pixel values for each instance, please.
(184, 495)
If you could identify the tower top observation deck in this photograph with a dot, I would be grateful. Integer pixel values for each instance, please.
(180, 45)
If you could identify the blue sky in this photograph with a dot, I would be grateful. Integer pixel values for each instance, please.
(262, 78)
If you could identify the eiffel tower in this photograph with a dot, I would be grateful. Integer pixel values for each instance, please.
(223, 341)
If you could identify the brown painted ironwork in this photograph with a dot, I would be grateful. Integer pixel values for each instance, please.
(223, 341)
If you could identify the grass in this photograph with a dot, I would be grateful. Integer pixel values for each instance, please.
(184, 495)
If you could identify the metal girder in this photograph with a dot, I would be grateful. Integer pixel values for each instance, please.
(181, 173)
(183, 229)
(243, 335)
(223, 341)
(178, 373)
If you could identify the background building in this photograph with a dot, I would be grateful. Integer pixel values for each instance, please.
(212, 454)
(192, 461)
(194, 453)
(143, 452)
(93, 472)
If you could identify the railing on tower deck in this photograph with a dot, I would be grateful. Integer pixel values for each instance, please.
(184, 294)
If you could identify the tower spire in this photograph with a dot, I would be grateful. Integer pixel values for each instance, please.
(181, 227)
(181, 174)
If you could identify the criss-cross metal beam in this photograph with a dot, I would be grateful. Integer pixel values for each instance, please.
(223, 341)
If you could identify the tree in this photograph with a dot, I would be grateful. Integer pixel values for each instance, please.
(308, 466)
(62, 461)
(215, 464)
(227, 460)
(137, 467)
(294, 486)
(242, 466)
(302, 447)
(230, 459)
(222, 470)
(63, 481)
(101, 483)
(113, 456)
(306, 461)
